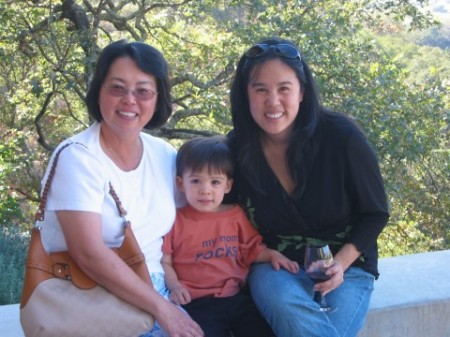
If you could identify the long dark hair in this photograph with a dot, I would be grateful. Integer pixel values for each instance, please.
(150, 61)
(302, 147)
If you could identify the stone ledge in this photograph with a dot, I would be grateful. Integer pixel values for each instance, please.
(411, 298)
(9, 321)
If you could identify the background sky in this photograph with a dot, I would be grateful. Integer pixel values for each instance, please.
(441, 9)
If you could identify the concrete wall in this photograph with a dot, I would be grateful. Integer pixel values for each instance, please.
(9, 321)
(411, 299)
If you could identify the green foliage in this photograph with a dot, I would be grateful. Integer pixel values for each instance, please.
(14, 248)
(396, 89)
(10, 211)
(419, 163)
(401, 238)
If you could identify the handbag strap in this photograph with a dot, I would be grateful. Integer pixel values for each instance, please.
(119, 206)
(39, 216)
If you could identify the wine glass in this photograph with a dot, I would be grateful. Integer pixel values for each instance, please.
(318, 259)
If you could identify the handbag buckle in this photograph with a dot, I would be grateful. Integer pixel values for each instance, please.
(61, 270)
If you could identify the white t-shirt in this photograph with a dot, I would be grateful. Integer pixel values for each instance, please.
(81, 183)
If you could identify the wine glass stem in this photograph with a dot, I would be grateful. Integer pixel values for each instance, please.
(323, 303)
(318, 297)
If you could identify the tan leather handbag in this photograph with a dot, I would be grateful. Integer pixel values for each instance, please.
(60, 300)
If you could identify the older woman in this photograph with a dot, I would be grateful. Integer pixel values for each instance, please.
(129, 92)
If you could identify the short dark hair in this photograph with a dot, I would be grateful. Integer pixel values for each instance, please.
(150, 61)
(199, 153)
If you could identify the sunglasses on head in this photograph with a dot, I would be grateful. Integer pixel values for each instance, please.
(281, 49)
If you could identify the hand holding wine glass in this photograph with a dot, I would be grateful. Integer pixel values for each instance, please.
(318, 258)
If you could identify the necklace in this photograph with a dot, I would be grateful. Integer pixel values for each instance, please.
(128, 159)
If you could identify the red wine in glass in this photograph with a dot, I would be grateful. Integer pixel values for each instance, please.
(318, 259)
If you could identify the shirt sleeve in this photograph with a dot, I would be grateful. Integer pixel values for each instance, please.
(167, 246)
(367, 189)
(79, 182)
(250, 241)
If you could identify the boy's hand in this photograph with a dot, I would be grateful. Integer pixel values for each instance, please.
(180, 295)
(278, 260)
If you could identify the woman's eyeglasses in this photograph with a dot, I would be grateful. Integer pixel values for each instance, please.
(282, 49)
(141, 94)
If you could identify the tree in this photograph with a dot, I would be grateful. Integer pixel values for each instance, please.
(48, 51)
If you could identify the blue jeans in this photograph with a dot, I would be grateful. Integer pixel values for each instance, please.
(286, 301)
(160, 287)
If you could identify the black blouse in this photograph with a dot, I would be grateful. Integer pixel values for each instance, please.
(344, 200)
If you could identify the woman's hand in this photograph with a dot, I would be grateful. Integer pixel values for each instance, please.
(176, 322)
(336, 273)
(342, 260)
